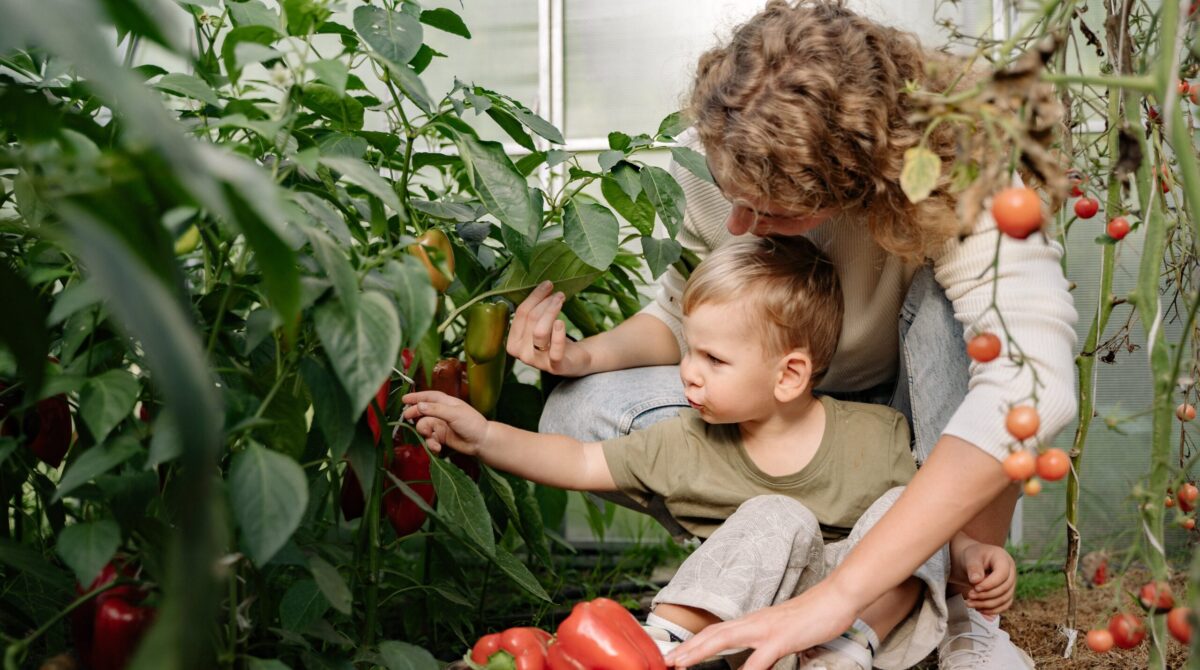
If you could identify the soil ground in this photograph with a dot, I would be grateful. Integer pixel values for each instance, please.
(1035, 623)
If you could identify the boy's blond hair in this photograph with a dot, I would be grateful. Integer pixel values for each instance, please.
(787, 285)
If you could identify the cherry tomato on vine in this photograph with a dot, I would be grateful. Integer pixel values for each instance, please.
(1118, 228)
(1185, 411)
(983, 347)
(1178, 624)
(1022, 422)
(1018, 212)
(1099, 641)
(1188, 494)
(1188, 524)
(1127, 630)
(1169, 502)
(1053, 465)
(1033, 487)
(1156, 596)
(1185, 88)
(1086, 208)
(1020, 465)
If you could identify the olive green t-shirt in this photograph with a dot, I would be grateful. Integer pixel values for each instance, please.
(703, 473)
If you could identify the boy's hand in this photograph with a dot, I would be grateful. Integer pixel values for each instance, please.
(993, 577)
(443, 419)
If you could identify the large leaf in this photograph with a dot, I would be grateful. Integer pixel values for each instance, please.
(405, 656)
(331, 406)
(361, 344)
(253, 13)
(332, 72)
(396, 36)
(415, 296)
(660, 254)
(591, 231)
(365, 176)
(86, 547)
(106, 400)
(332, 586)
(461, 504)
(694, 162)
(268, 493)
(26, 561)
(96, 461)
(337, 267)
(302, 605)
(498, 183)
(551, 260)
(344, 111)
(410, 82)
(187, 86)
(447, 20)
(640, 212)
(520, 574)
(666, 196)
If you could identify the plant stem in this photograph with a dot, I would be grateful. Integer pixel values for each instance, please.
(373, 559)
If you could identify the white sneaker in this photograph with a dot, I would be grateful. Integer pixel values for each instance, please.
(974, 643)
(837, 654)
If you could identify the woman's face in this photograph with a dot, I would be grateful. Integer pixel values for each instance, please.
(763, 220)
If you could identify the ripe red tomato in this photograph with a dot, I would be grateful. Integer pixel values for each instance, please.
(1169, 502)
(1033, 487)
(1185, 411)
(1022, 422)
(1018, 212)
(1118, 228)
(1127, 630)
(1156, 596)
(1053, 465)
(1099, 641)
(1188, 493)
(1178, 624)
(1184, 87)
(1086, 208)
(1019, 465)
(1188, 524)
(983, 347)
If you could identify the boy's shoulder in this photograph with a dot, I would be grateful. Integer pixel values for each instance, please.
(862, 416)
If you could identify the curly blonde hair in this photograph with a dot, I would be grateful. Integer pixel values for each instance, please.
(806, 108)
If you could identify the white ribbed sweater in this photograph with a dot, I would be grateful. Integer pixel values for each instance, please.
(1031, 292)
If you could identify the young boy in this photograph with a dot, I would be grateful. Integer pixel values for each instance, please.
(778, 483)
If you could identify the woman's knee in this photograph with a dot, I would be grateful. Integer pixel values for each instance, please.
(610, 404)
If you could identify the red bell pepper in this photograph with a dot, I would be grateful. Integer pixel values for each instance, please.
(602, 635)
(381, 399)
(410, 464)
(351, 497)
(526, 647)
(120, 626)
(46, 428)
(89, 637)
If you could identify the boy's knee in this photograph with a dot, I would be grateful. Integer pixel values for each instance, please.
(778, 511)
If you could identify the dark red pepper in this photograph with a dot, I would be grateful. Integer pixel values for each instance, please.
(120, 626)
(381, 399)
(84, 618)
(351, 497)
(410, 464)
(602, 635)
(46, 428)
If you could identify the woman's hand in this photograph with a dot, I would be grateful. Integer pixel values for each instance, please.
(818, 615)
(539, 339)
(446, 420)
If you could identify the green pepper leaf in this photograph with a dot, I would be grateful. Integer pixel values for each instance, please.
(302, 605)
(331, 406)
(660, 254)
(106, 400)
(268, 493)
(344, 111)
(591, 230)
(87, 547)
(365, 176)
(447, 20)
(361, 344)
(498, 183)
(666, 196)
(461, 504)
(552, 260)
(96, 461)
(331, 583)
(396, 36)
(694, 162)
(415, 296)
(188, 86)
(405, 656)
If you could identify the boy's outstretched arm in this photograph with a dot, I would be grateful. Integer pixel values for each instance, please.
(553, 460)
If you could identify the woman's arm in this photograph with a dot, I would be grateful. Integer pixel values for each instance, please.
(952, 487)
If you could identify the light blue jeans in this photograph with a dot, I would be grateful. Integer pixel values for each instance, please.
(931, 384)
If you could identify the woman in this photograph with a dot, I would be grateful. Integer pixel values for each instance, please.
(804, 121)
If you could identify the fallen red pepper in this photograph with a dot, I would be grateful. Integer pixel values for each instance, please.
(602, 635)
(120, 626)
(526, 646)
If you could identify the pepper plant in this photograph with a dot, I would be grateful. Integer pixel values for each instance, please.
(210, 271)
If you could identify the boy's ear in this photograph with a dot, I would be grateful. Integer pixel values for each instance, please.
(795, 375)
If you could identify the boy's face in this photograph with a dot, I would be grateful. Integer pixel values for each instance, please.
(727, 374)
